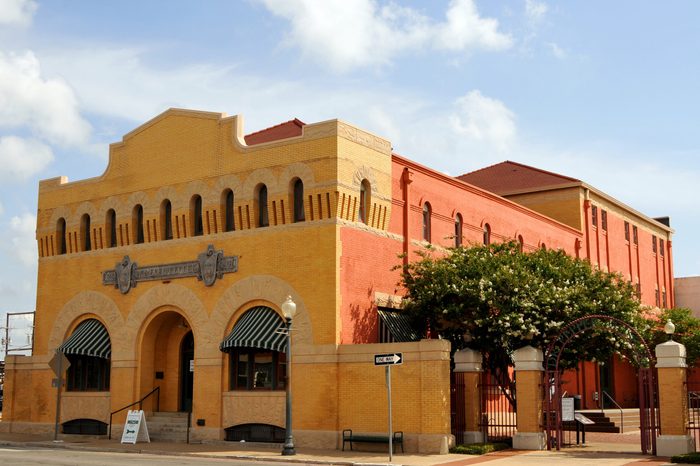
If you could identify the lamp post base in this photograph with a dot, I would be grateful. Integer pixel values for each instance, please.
(288, 449)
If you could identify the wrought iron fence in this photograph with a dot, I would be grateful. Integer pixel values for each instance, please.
(498, 417)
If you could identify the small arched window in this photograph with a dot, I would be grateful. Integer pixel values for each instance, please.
(61, 236)
(365, 192)
(299, 215)
(111, 228)
(196, 215)
(263, 218)
(166, 220)
(229, 223)
(487, 234)
(137, 220)
(427, 211)
(85, 232)
(521, 243)
(458, 230)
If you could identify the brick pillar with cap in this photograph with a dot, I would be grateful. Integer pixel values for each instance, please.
(468, 371)
(529, 371)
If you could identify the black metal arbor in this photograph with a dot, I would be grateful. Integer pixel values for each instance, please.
(645, 376)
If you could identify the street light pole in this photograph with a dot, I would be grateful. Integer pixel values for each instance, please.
(288, 309)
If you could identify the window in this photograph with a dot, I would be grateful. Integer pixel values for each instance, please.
(663, 299)
(166, 220)
(137, 219)
(594, 215)
(458, 230)
(661, 247)
(85, 232)
(263, 218)
(635, 234)
(111, 228)
(229, 223)
(299, 215)
(521, 243)
(427, 211)
(653, 243)
(61, 236)
(254, 369)
(196, 215)
(87, 373)
(487, 234)
(604, 219)
(656, 298)
(627, 231)
(364, 201)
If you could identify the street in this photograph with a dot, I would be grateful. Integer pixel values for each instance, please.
(50, 456)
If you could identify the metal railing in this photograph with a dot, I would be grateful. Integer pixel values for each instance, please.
(140, 403)
(189, 423)
(602, 409)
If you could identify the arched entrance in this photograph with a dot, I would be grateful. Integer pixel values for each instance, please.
(167, 347)
(643, 360)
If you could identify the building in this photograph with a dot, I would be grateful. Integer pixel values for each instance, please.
(168, 273)
(688, 294)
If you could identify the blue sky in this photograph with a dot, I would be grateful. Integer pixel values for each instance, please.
(607, 92)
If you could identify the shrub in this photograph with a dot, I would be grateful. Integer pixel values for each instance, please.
(479, 448)
(688, 458)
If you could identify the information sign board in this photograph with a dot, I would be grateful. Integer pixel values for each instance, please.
(567, 409)
(135, 429)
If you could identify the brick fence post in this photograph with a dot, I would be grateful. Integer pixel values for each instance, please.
(529, 395)
(673, 400)
(468, 367)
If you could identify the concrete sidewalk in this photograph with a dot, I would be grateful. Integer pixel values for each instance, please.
(592, 454)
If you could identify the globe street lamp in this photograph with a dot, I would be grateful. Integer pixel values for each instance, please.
(289, 308)
(669, 329)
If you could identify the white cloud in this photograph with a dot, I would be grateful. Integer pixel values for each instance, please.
(22, 158)
(535, 11)
(557, 51)
(47, 106)
(22, 239)
(17, 12)
(351, 34)
(484, 119)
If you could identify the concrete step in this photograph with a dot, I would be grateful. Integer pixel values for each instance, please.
(167, 426)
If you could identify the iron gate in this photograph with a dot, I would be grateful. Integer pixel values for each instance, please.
(498, 417)
(694, 412)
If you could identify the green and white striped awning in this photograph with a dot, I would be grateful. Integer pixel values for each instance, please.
(260, 327)
(398, 325)
(90, 338)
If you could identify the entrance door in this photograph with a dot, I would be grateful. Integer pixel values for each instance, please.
(606, 383)
(186, 372)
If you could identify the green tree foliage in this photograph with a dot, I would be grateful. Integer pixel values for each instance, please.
(687, 331)
(496, 299)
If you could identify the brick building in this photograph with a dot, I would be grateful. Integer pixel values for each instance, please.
(169, 270)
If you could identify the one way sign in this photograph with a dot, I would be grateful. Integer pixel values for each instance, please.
(388, 359)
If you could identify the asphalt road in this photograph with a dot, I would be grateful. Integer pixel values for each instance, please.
(51, 456)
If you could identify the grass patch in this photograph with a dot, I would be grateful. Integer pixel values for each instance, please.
(479, 448)
(690, 458)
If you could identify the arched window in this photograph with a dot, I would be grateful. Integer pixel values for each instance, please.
(85, 232)
(227, 198)
(298, 203)
(365, 193)
(257, 351)
(263, 218)
(111, 228)
(137, 220)
(427, 211)
(458, 230)
(196, 215)
(487, 234)
(521, 243)
(166, 220)
(89, 351)
(61, 236)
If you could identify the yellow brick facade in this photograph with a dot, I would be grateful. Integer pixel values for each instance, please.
(176, 156)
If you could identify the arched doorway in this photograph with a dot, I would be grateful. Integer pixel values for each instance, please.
(167, 347)
(186, 372)
(642, 359)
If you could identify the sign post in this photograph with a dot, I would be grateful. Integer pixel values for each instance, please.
(388, 360)
(59, 364)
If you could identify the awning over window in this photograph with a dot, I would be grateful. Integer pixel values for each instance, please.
(90, 338)
(398, 324)
(257, 328)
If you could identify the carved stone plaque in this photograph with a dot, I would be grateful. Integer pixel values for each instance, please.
(210, 265)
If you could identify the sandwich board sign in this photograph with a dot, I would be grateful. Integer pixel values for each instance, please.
(135, 429)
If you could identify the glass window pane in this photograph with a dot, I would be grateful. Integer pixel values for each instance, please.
(241, 370)
(262, 370)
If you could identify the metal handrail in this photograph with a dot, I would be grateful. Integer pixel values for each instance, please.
(602, 409)
(189, 423)
(139, 402)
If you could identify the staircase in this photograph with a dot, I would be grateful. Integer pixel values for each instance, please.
(167, 427)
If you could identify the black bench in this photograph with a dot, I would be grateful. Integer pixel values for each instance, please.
(348, 436)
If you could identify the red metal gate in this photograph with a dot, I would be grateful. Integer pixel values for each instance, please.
(498, 417)
(694, 412)
(457, 397)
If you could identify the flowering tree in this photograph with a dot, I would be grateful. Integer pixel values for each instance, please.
(496, 299)
(687, 331)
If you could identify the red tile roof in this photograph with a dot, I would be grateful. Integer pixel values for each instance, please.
(507, 177)
(284, 130)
